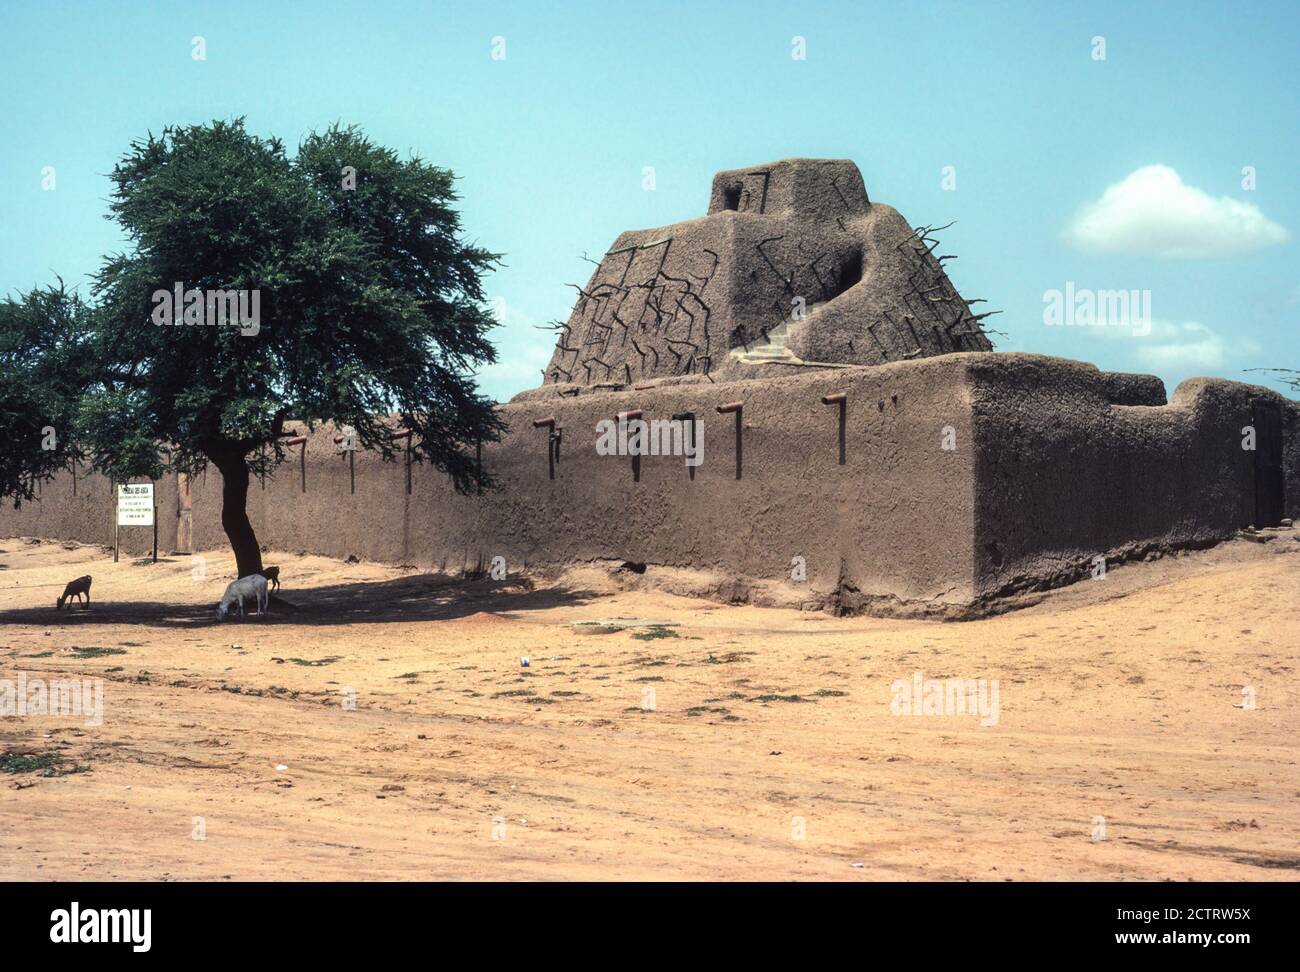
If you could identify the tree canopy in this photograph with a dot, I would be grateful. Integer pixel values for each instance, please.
(259, 287)
(43, 373)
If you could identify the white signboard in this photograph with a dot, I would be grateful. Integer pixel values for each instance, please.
(135, 504)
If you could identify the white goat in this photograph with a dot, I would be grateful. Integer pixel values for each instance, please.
(253, 586)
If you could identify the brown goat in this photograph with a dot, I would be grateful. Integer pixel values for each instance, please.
(75, 588)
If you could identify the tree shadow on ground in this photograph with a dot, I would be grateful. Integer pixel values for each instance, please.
(419, 597)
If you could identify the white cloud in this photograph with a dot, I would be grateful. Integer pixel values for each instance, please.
(1188, 347)
(1152, 212)
(523, 350)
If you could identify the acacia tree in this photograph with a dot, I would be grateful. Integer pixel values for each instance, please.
(367, 303)
(43, 372)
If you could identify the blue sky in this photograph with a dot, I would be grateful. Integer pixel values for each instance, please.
(1122, 173)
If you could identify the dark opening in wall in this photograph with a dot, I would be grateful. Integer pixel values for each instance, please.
(994, 553)
(850, 274)
(731, 197)
(1270, 480)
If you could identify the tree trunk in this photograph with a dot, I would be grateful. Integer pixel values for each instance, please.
(234, 511)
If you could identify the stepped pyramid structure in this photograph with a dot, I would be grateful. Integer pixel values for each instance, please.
(793, 266)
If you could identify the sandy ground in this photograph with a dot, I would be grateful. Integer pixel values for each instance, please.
(751, 743)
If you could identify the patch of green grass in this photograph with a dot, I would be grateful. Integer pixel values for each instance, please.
(779, 698)
(655, 632)
(730, 658)
(565, 692)
(47, 764)
(27, 762)
(523, 695)
(316, 662)
(825, 693)
(92, 651)
(699, 710)
(649, 678)
(40, 654)
(67, 772)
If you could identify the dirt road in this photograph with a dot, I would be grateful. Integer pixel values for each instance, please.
(386, 728)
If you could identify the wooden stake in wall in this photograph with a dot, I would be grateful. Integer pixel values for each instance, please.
(841, 399)
(300, 440)
(623, 419)
(552, 442)
(406, 434)
(688, 438)
(348, 443)
(737, 408)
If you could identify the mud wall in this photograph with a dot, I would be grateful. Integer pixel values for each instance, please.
(86, 515)
(894, 522)
(965, 476)
(1063, 475)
